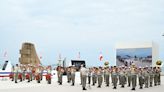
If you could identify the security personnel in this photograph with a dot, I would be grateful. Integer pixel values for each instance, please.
(115, 77)
(133, 76)
(146, 77)
(141, 77)
(84, 73)
(73, 71)
(100, 76)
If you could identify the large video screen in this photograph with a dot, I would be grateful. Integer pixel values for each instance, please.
(140, 56)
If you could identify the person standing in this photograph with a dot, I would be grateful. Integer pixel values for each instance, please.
(89, 76)
(151, 75)
(155, 76)
(114, 77)
(94, 76)
(128, 72)
(68, 74)
(107, 76)
(84, 73)
(133, 76)
(122, 76)
(73, 71)
(16, 72)
(100, 76)
(159, 75)
(61, 71)
(141, 77)
(146, 77)
(12, 73)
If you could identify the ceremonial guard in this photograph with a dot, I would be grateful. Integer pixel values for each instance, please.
(128, 73)
(37, 74)
(114, 76)
(89, 75)
(122, 76)
(61, 71)
(141, 77)
(29, 73)
(12, 73)
(151, 75)
(73, 71)
(159, 75)
(133, 76)
(68, 70)
(107, 75)
(48, 76)
(20, 73)
(16, 73)
(100, 76)
(84, 73)
(94, 74)
(146, 77)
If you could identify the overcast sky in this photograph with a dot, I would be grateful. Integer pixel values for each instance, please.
(72, 26)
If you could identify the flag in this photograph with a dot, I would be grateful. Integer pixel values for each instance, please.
(101, 56)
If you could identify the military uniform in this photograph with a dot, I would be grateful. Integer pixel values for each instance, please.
(122, 77)
(16, 73)
(107, 76)
(151, 75)
(84, 73)
(146, 77)
(73, 70)
(159, 75)
(134, 77)
(68, 74)
(100, 77)
(141, 78)
(61, 71)
(94, 76)
(89, 76)
(128, 72)
(114, 77)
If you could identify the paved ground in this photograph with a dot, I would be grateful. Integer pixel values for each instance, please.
(8, 86)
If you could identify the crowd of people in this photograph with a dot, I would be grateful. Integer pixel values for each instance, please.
(30, 73)
(131, 76)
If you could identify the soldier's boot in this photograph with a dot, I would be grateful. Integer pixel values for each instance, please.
(150, 84)
(84, 88)
(122, 86)
(72, 84)
(99, 86)
(133, 89)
